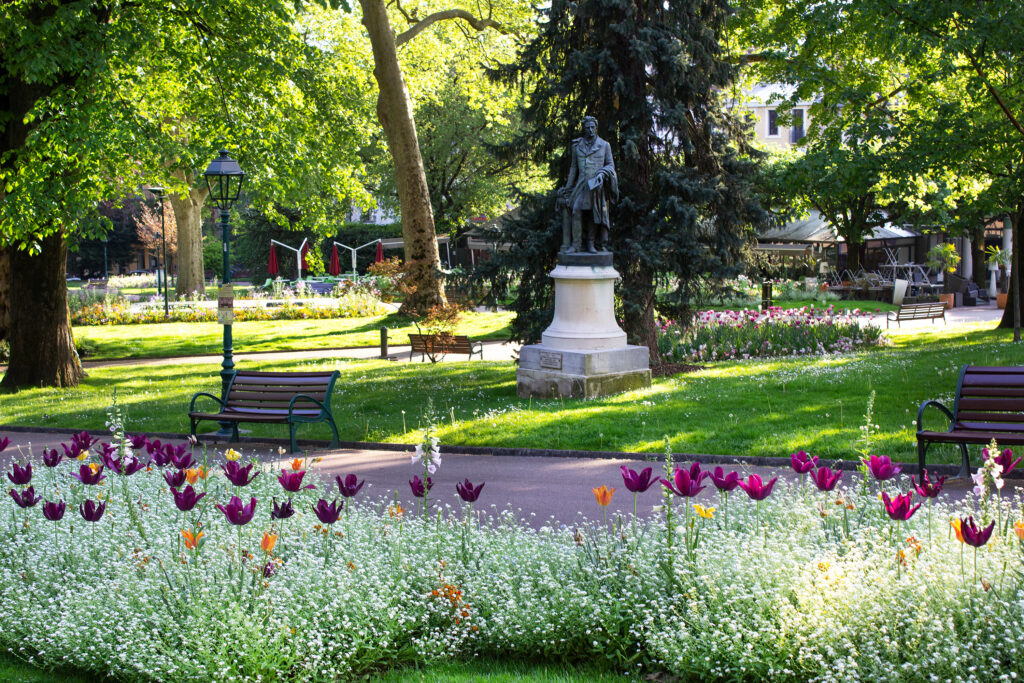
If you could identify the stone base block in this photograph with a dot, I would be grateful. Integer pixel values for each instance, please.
(545, 372)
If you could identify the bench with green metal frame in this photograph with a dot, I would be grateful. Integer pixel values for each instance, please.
(988, 404)
(291, 398)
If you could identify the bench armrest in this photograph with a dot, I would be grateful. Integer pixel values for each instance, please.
(304, 397)
(192, 404)
(936, 404)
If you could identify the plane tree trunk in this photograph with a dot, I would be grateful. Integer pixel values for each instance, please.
(42, 347)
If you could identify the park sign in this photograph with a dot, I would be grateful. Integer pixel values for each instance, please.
(226, 304)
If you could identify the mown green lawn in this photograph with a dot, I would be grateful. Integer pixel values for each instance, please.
(755, 407)
(492, 670)
(190, 339)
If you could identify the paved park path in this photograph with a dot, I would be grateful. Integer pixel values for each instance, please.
(538, 488)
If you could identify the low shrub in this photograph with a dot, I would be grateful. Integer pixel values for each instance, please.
(243, 574)
(721, 335)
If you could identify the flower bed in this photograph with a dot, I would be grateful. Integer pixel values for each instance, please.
(240, 573)
(725, 335)
(119, 312)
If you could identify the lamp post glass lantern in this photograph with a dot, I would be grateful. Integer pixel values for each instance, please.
(162, 273)
(224, 179)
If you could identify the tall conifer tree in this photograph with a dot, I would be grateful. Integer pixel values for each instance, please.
(655, 76)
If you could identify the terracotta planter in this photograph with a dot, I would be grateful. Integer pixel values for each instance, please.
(947, 299)
(1001, 300)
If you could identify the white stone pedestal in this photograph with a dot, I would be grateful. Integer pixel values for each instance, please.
(583, 353)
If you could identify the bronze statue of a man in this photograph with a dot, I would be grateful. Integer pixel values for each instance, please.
(592, 184)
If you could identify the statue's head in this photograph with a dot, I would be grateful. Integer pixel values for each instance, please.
(589, 125)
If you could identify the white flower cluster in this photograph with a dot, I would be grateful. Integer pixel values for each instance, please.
(433, 456)
(792, 599)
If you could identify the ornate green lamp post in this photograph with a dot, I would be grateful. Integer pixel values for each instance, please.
(224, 177)
(159, 193)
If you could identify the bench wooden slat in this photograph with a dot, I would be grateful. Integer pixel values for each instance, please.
(1006, 404)
(428, 344)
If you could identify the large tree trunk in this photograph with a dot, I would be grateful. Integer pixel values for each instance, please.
(188, 214)
(394, 110)
(42, 348)
(1014, 310)
(5, 291)
(980, 275)
(853, 255)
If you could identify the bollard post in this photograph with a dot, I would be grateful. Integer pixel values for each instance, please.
(384, 342)
(766, 295)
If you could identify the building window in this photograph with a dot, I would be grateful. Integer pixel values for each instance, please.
(796, 133)
(773, 123)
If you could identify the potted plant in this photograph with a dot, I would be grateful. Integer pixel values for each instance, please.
(943, 258)
(998, 260)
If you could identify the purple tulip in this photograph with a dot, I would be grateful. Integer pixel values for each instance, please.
(825, 479)
(237, 513)
(899, 508)
(156, 451)
(174, 478)
(292, 481)
(138, 441)
(19, 475)
(927, 488)
(757, 489)
(328, 514)
(4, 443)
(87, 475)
(282, 511)
(126, 466)
(882, 468)
(106, 454)
(725, 482)
(419, 489)
(54, 511)
(802, 463)
(684, 484)
(90, 511)
(697, 474)
(1004, 459)
(179, 458)
(26, 498)
(470, 494)
(51, 458)
(350, 486)
(637, 483)
(80, 443)
(973, 534)
(239, 476)
(187, 499)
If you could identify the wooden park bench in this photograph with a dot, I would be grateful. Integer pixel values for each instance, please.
(95, 284)
(989, 404)
(291, 398)
(440, 344)
(925, 311)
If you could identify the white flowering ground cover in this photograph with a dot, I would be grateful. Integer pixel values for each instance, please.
(795, 587)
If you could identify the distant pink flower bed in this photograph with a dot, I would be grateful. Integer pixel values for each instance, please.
(748, 333)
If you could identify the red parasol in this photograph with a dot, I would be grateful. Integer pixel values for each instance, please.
(305, 250)
(380, 252)
(335, 267)
(272, 268)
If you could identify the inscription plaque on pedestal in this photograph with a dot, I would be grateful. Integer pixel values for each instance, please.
(551, 360)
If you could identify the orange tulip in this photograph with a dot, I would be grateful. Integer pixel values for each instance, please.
(192, 540)
(603, 495)
(297, 464)
(956, 527)
(396, 510)
(191, 476)
(268, 542)
(1018, 528)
